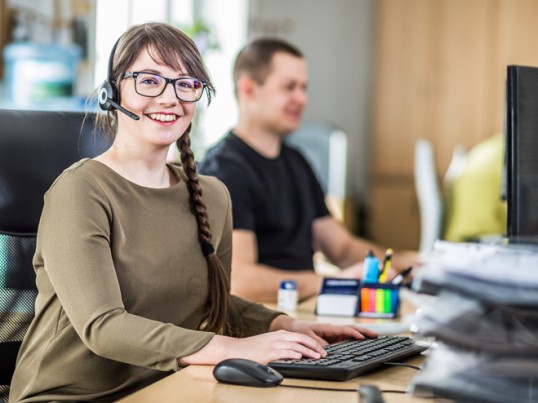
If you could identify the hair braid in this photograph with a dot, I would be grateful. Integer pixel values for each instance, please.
(218, 283)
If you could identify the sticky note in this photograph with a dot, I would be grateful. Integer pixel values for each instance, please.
(388, 300)
(371, 297)
(380, 300)
(365, 300)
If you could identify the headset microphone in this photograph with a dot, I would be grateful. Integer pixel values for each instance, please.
(122, 109)
(109, 104)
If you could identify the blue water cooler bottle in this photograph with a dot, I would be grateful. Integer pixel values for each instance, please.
(37, 74)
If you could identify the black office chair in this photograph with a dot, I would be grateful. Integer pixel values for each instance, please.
(35, 147)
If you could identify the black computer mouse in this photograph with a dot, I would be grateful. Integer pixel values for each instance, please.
(246, 372)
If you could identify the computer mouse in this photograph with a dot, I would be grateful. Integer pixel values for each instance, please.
(240, 371)
(370, 394)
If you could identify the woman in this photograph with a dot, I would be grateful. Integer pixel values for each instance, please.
(132, 263)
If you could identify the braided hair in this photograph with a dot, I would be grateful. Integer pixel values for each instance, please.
(219, 284)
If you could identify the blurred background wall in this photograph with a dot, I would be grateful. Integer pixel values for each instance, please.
(385, 72)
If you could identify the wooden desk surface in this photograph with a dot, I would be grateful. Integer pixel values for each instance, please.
(197, 384)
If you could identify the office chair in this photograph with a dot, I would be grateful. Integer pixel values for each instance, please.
(429, 195)
(325, 148)
(35, 147)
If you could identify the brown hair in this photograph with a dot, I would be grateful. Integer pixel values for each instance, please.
(255, 58)
(169, 45)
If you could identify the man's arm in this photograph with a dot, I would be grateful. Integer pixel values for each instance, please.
(259, 282)
(345, 250)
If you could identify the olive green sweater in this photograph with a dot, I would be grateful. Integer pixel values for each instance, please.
(122, 283)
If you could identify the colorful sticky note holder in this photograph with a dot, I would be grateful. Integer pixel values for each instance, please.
(379, 300)
(351, 297)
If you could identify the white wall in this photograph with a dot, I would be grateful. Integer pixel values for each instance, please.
(336, 37)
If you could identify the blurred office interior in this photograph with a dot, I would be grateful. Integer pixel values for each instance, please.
(386, 73)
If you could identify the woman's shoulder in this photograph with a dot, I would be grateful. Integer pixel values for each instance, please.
(78, 175)
(208, 183)
(212, 183)
(212, 187)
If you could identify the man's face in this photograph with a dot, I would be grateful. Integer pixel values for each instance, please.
(280, 101)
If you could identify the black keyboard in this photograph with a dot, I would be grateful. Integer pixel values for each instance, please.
(349, 359)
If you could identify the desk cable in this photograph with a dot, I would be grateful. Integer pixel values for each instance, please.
(403, 392)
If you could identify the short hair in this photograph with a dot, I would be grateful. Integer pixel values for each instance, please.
(255, 58)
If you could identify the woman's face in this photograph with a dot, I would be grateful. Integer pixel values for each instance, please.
(163, 119)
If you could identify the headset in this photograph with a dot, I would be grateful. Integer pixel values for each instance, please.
(108, 94)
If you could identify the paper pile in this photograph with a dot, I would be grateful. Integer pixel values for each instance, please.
(485, 318)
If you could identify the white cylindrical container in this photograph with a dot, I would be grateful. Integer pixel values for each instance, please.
(287, 296)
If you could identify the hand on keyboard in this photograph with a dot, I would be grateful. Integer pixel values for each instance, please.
(323, 333)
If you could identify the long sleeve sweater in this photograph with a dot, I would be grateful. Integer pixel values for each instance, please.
(122, 285)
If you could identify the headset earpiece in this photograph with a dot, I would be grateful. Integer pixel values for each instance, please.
(106, 94)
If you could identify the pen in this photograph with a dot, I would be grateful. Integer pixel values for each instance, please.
(401, 276)
(386, 265)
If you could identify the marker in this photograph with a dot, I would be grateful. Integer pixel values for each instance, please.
(386, 265)
(401, 276)
(371, 268)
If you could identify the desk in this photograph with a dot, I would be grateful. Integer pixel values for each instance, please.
(196, 383)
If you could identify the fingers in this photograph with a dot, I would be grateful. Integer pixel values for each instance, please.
(330, 332)
(320, 340)
(308, 339)
(311, 343)
(367, 332)
(284, 344)
(298, 350)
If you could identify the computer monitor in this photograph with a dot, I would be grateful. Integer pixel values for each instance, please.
(521, 131)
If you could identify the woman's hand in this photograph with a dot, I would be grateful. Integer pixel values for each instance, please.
(287, 338)
(323, 333)
(262, 348)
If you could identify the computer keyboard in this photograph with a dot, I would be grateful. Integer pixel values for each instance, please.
(349, 359)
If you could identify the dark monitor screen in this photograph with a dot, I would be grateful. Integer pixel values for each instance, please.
(521, 128)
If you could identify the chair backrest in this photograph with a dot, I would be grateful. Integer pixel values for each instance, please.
(35, 147)
(429, 195)
(325, 148)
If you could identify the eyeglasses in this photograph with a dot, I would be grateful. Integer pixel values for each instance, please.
(152, 85)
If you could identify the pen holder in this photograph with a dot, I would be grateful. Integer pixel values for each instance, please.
(379, 300)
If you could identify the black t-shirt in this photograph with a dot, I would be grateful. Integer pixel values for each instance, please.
(276, 198)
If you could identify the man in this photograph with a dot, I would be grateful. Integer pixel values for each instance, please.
(280, 217)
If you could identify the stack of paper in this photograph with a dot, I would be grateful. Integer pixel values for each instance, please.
(485, 318)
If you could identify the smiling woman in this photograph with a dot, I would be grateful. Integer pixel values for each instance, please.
(133, 265)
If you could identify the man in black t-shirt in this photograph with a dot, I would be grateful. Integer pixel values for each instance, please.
(279, 213)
